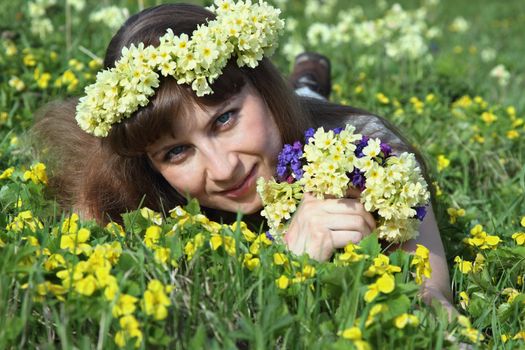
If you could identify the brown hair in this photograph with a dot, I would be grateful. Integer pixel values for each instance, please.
(102, 178)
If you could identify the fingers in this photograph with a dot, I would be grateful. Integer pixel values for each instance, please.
(333, 208)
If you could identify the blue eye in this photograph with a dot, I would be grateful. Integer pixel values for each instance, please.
(224, 118)
(175, 152)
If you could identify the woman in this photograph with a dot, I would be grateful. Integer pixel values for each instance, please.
(206, 135)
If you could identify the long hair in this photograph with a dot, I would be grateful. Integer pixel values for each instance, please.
(104, 177)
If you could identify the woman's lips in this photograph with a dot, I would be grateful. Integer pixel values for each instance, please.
(243, 188)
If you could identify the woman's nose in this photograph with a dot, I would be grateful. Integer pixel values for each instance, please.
(221, 165)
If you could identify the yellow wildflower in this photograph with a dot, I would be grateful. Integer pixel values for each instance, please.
(402, 320)
(54, 261)
(280, 259)
(513, 134)
(70, 224)
(152, 236)
(130, 328)
(29, 60)
(464, 266)
(76, 242)
(37, 174)
(522, 222)
(519, 237)
(23, 220)
(115, 229)
(455, 213)
(359, 89)
(421, 261)
(384, 284)
(488, 117)
(17, 83)
(86, 286)
(511, 294)
(282, 282)
(151, 215)
(519, 335)
(481, 239)
(382, 98)
(354, 334)
(7, 173)
(380, 266)
(155, 300)
(251, 262)
(464, 300)
(125, 305)
(443, 162)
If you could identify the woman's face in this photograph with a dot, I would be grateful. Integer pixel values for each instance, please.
(216, 155)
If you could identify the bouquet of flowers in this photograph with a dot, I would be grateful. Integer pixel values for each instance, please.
(330, 162)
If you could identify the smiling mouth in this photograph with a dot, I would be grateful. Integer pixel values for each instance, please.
(242, 188)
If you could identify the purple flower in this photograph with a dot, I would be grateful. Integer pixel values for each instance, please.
(386, 149)
(307, 134)
(269, 236)
(421, 212)
(362, 144)
(358, 178)
(289, 161)
(337, 131)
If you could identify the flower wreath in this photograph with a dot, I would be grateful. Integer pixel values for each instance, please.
(241, 29)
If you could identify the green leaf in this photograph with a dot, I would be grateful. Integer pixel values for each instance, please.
(370, 245)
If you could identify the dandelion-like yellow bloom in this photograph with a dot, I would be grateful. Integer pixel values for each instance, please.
(7, 173)
(443, 162)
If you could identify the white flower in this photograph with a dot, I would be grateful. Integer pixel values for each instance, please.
(501, 74)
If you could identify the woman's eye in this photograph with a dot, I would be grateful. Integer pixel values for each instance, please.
(225, 118)
(175, 152)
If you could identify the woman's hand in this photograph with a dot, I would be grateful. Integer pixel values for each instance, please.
(319, 226)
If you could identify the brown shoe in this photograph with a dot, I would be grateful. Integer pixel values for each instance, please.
(312, 70)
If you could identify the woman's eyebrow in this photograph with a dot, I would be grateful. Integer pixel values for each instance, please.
(219, 109)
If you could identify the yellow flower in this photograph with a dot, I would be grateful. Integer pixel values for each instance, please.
(70, 224)
(382, 98)
(130, 328)
(522, 222)
(7, 173)
(511, 294)
(155, 300)
(402, 320)
(125, 305)
(443, 162)
(464, 300)
(251, 262)
(29, 60)
(115, 229)
(464, 266)
(380, 266)
(54, 261)
(421, 261)
(246, 232)
(152, 236)
(76, 242)
(17, 83)
(23, 220)
(519, 237)
(86, 286)
(282, 282)
(455, 213)
(481, 239)
(151, 215)
(350, 255)
(512, 134)
(352, 333)
(488, 117)
(280, 259)
(384, 284)
(37, 174)
(359, 89)
(519, 335)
